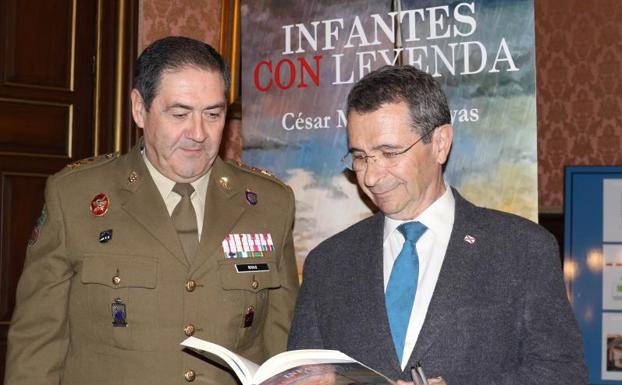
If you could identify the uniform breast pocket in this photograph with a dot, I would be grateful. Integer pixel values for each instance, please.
(122, 299)
(250, 280)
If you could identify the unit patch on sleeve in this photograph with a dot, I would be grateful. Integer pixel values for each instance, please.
(34, 235)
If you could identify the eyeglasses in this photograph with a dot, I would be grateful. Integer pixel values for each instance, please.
(386, 159)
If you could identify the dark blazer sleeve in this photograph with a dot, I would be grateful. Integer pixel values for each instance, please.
(551, 349)
(282, 300)
(305, 332)
(545, 334)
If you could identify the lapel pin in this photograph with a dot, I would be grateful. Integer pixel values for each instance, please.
(224, 182)
(100, 204)
(133, 177)
(251, 197)
(105, 236)
(469, 239)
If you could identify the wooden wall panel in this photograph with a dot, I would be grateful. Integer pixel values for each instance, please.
(46, 61)
(3, 336)
(33, 128)
(27, 22)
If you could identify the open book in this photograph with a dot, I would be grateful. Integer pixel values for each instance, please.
(300, 367)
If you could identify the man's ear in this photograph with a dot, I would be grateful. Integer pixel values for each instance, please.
(442, 139)
(139, 112)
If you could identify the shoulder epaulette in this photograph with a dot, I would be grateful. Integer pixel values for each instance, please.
(92, 160)
(256, 170)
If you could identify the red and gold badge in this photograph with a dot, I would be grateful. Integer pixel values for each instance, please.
(100, 204)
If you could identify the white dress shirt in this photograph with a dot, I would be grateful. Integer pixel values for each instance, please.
(431, 248)
(171, 199)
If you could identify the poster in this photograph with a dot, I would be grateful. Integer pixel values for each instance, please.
(593, 266)
(299, 62)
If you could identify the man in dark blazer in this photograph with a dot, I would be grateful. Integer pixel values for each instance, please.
(489, 305)
(123, 266)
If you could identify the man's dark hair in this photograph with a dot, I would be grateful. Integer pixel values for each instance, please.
(394, 84)
(173, 53)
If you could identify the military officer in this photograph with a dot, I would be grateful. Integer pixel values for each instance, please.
(134, 253)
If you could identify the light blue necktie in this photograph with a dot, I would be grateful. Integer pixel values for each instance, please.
(402, 286)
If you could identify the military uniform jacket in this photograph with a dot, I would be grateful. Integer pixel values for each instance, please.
(62, 330)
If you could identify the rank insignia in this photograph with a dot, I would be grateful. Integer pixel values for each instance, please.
(247, 245)
(251, 197)
(119, 314)
(133, 177)
(100, 204)
(224, 182)
(105, 236)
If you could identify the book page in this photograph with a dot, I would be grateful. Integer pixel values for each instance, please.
(243, 368)
(316, 367)
(328, 374)
(294, 358)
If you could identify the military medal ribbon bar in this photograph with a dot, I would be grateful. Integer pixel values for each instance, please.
(247, 245)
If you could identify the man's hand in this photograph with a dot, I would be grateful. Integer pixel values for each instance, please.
(431, 381)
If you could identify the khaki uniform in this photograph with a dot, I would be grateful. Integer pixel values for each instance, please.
(62, 330)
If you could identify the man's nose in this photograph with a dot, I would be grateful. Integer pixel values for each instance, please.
(195, 131)
(373, 172)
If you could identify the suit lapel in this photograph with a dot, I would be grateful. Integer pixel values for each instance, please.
(145, 204)
(460, 254)
(223, 209)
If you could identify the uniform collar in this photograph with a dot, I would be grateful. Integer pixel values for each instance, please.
(165, 185)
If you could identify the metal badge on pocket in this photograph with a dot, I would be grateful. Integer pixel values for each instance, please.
(119, 314)
(249, 316)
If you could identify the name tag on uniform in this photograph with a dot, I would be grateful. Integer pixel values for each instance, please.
(252, 267)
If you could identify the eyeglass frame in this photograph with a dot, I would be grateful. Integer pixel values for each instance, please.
(386, 155)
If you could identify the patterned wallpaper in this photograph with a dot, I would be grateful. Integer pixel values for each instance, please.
(199, 19)
(579, 85)
(579, 72)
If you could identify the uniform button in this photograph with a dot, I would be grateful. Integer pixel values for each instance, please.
(254, 284)
(116, 280)
(190, 375)
(190, 285)
(189, 330)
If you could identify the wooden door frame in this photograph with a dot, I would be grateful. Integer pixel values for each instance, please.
(117, 46)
